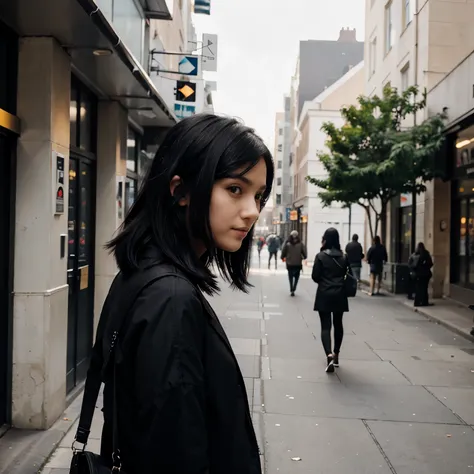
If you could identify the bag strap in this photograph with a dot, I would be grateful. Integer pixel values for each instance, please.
(99, 363)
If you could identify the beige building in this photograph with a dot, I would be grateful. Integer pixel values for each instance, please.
(79, 119)
(326, 107)
(424, 42)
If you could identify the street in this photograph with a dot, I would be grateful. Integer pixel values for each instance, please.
(401, 402)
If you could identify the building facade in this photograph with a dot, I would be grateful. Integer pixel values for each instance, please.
(79, 120)
(428, 43)
(311, 140)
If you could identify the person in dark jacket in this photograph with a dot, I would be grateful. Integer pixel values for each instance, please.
(376, 258)
(420, 264)
(329, 272)
(355, 255)
(273, 245)
(181, 399)
(293, 253)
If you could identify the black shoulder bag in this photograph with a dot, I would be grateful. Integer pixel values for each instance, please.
(350, 283)
(86, 462)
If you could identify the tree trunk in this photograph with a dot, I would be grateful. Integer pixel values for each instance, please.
(369, 220)
(383, 222)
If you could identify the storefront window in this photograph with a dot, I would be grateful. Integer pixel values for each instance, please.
(405, 233)
(82, 118)
(129, 24)
(132, 181)
(462, 242)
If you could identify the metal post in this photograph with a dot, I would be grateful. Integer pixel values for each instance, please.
(350, 222)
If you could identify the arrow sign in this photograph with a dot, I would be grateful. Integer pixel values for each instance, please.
(188, 66)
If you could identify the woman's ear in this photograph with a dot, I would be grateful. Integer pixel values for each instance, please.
(177, 191)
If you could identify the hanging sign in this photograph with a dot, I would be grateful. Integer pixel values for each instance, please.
(58, 183)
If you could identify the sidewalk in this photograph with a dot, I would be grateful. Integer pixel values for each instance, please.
(400, 403)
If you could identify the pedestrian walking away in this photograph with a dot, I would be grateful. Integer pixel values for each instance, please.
(174, 397)
(273, 245)
(376, 258)
(329, 272)
(355, 255)
(260, 245)
(420, 264)
(293, 253)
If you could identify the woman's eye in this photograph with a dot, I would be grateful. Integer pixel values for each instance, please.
(259, 197)
(235, 189)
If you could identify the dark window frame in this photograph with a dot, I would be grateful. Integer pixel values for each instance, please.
(83, 91)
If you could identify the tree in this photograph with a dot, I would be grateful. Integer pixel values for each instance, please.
(372, 158)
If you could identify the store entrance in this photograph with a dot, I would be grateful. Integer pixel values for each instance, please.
(80, 272)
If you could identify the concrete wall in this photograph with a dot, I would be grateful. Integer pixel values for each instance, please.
(40, 289)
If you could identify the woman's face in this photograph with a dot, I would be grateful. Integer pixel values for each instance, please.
(235, 206)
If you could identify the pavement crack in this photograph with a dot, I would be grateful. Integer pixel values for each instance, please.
(444, 404)
(398, 370)
(379, 446)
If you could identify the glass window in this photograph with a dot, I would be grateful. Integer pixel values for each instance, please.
(404, 78)
(389, 27)
(407, 13)
(279, 164)
(8, 69)
(373, 56)
(405, 233)
(130, 193)
(278, 181)
(280, 147)
(73, 116)
(85, 118)
(278, 199)
(129, 25)
(462, 242)
(471, 241)
(106, 7)
(132, 155)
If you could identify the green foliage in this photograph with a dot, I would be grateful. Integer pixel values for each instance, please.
(372, 158)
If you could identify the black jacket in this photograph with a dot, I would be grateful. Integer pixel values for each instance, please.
(376, 256)
(182, 403)
(420, 264)
(329, 272)
(354, 252)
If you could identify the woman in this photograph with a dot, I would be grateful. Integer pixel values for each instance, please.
(181, 401)
(420, 264)
(376, 257)
(294, 252)
(329, 272)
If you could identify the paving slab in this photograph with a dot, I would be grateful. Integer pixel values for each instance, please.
(304, 370)
(374, 402)
(370, 373)
(459, 400)
(249, 365)
(328, 446)
(243, 346)
(426, 448)
(242, 328)
(246, 314)
(437, 373)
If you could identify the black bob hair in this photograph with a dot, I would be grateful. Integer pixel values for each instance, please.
(200, 150)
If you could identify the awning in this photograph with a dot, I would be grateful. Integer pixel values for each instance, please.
(81, 28)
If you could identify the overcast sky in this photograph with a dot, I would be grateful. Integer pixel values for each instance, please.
(258, 46)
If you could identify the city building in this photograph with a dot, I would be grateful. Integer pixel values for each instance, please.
(326, 107)
(282, 196)
(323, 62)
(429, 44)
(320, 64)
(278, 210)
(79, 119)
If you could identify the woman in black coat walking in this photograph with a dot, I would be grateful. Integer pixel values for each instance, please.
(329, 272)
(180, 397)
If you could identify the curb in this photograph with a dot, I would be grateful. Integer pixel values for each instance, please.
(452, 327)
(420, 310)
